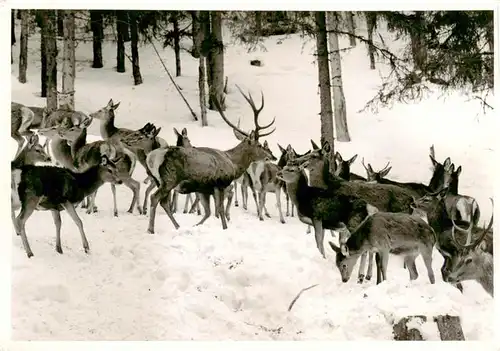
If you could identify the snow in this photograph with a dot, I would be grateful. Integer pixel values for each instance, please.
(204, 283)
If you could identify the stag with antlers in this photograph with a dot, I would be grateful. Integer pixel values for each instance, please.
(207, 170)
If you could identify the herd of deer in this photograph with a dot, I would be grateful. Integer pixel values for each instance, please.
(374, 216)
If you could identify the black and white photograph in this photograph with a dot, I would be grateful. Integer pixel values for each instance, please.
(252, 174)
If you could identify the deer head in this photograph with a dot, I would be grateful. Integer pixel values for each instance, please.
(108, 171)
(343, 168)
(371, 175)
(33, 152)
(250, 141)
(441, 173)
(107, 112)
(182, 138)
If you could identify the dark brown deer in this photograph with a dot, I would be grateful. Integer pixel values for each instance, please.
(378, 177)
(331, 208)
(84, 155)
(206, 170)
(343, 168)
(56, 189)
(432, 207)
(383, 232)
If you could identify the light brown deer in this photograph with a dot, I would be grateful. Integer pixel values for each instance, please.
(206, 170)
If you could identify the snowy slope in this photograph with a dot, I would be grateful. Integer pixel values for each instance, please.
(203, 283)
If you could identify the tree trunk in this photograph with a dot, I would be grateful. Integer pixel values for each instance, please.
(136, 71)
(121, 29)
(177, 43)
(418, 50)
(203, 95)
(351, 28)
(60, 23)
(324, 85)
(195, 29)
(371, 22)
(12, 33)
(67, 98)
(217, 64)
(258, 23)
(23, 52)
(336, 71)
(42, 20)
(206, 49)
(18, 14)
(51, 50)
(97, 27)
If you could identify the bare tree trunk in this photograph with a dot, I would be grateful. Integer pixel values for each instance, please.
(174, 17)
(206, 50)
(42, 17)
(371, 22)
(324, 85)
(67, 98)
(18, 14)
(51, 52)
(195, 29)
(136, 71)
(339, 105)
(258, 23)
(12, 32)
(418, 49)
(122, 31)
(217, 64)
(351, 27)
(490, 36)
(97, 27)
(23, 52)
(203, 95)
(60, 23)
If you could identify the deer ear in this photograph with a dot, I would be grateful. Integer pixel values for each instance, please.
(266, 145)
(370, 169)
(314, 145)
(116, 106)
(184, 132)
(384, 173)
(156, 132)
(459, 170)
(33, 140)
(352, 159)
(344, 250)
(338, 157)
(434, 162)
(177, 132)
(281, 148)
(252, 136)
(326, 147)
(110, 103)
(289, 148)
(104, 161)
(447, 162)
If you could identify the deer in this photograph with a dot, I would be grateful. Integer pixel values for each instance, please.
(31, 154)
(57, 189)
(432, 208)
(378, 177)
(343, 168)
(206, 170)
(386, 198)
(83, 155)
(473, 262)
(108, 130)
(383, 233)
(323, 208)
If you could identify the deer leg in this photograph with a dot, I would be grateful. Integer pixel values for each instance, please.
(198, 209)
(370, 266)
(219, 206)
(68, 206)
(412, 268)
(27, 209)
(278, 204)
(260, 205)
(175, 198)
(236, 204)
(244, 196)
(254, 194)
(56, 216)
(427, 257)
(228, 205)
(146, 195)
(186, 203)
(384, 260)
(308, 230)
(319, 234)
(196, 204)
(115, 206)
(292, 208)
(135, 186)
(362, 265)
(205, 202)
(264, 205)
(158, 195)
(90, 202)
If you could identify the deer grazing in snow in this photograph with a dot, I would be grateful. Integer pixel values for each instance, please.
(56, 189)
(386, 198)
(206, 170)
(384, 233)
(432, 208)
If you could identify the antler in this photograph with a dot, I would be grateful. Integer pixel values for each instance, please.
(221, 113)
(469, 231)
(383, 169)
(256, 112)
(363, 163)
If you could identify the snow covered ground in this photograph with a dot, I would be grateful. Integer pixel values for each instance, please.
(203, 283)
